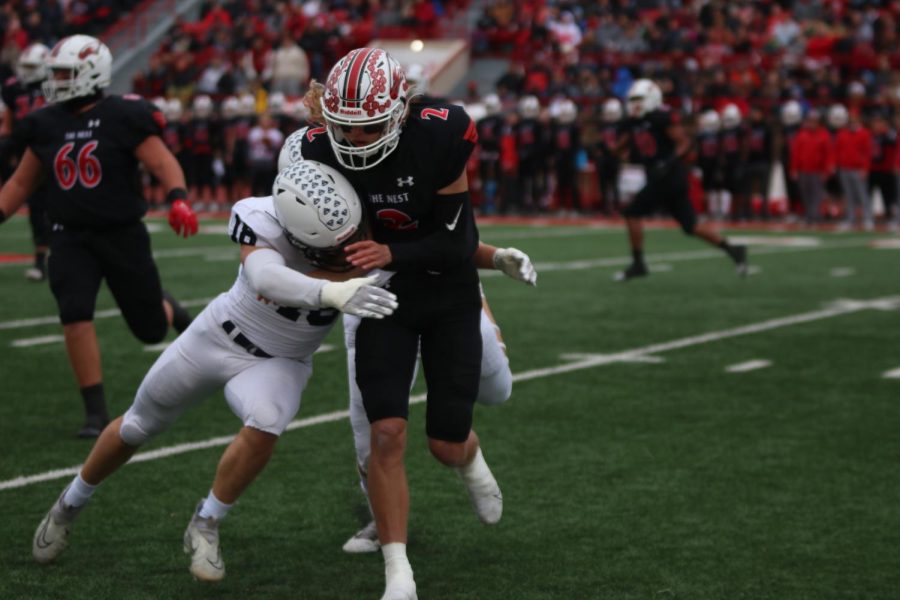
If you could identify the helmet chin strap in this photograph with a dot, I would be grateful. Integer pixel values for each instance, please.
(76, 104)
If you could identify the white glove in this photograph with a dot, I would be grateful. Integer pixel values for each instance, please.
(359, 297)
(515, 264)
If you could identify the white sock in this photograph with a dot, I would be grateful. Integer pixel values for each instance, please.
(475, 471)
(79, 492)
(214, 508)
(395, 561)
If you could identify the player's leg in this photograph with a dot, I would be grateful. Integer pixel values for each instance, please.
(75, 275)
(266, 397)
(451, 360)
(385, 358)
(495, 383)
(188, 370)
(643, 204)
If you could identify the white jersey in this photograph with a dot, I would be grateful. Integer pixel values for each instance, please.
(277, 330)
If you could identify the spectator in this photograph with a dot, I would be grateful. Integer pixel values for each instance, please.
(812, 162)
(289, 68)
(264, 142)
(853, 157)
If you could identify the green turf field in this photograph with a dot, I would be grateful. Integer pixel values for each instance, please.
(633, 464)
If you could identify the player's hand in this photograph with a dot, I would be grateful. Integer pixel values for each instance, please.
(515, 264)
(183, 219)
(359, 297)
(368, 255)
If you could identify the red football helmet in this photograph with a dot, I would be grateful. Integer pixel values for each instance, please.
(367, 88)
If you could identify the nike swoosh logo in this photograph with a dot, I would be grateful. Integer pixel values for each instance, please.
(452, 224)
(42, 538)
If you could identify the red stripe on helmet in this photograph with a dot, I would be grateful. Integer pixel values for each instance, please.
(354, 75)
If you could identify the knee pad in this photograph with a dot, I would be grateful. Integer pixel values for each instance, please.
(495, 388)
(131, 431)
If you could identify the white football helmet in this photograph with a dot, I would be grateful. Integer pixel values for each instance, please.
(248, 105)
(231, 107)
(161, 103)
(276, 103)
(731, 116)
(492, 104)
(173, 110)
(529, 107)
(838, 116)
(202, 106)
(290, 152)
(416, 78)
(78, 66)
(644, 96)
(319, 212)
(612, 110)
(566, 112)
(709, 121)
(367, 88)
(31, 66)
(791, 113)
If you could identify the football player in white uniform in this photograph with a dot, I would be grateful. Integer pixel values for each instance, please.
(255, 340)
(495, 384)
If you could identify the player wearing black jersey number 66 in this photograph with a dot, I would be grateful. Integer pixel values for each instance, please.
(86, 147)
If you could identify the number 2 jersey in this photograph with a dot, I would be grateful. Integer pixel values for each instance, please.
(88, 160)
(435, 145)
(278, 330)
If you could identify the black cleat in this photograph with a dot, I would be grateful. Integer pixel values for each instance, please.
(636, 269)
(739, 255)
(93, 426)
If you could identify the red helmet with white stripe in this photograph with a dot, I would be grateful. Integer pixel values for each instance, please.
(367, 88)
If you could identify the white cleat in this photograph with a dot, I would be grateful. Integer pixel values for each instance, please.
(201, 541)
(52, 535)
(484, 492)
(400, 588)
(364, 542)
(34, 274)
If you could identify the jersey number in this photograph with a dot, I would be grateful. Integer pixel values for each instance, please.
(84, 168)
(317, 318)
(441, 114)
(646, 144)
(241, 234)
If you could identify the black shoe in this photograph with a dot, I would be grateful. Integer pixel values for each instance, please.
(93, 426)
(636, 269)
(739, 255)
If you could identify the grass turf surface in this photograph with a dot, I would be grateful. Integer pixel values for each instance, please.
(672, 479)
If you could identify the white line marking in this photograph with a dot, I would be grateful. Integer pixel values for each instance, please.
(589, 361)
(157, 347)
(100, 314)
(37, 341)
(625, 359)
(750, 365)
(892, 374)
(886, 244)
(843, 271)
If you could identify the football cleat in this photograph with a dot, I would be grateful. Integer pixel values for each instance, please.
(34, 274)
(52, 535)
(636, 269)
(484, 492)
(739, 255)
(201, 541)
(400, 589)
(364, 541)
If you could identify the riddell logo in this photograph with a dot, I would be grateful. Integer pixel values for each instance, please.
(344, 111)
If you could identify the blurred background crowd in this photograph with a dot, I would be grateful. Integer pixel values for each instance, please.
(781, 97)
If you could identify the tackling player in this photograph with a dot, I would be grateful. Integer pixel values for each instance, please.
(86, 147)
(655, 139)
(256, 340)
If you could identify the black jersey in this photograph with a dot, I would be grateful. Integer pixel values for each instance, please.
(21, 98)
(435, 145)
(758, 139)
(650, 141)
(490, 129)
(730, 146)
(708, 151)
(88, 159)
(529, 140)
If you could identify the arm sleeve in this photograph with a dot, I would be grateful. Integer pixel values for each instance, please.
(452, 244)
(269, 277)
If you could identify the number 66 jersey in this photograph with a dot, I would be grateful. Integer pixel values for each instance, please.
(88, 159)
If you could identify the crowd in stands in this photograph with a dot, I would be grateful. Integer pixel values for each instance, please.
(759, 57)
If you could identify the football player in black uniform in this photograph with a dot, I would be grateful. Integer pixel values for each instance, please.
(86, 147)
(490, 129)
(655, 139)
(22, 95)
(408, 163)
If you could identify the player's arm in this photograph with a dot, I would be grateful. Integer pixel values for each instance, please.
(21, 185)
(680, 139)
(6, 126)
(453, 243)
(272, 279)
(160, 161)
(511, 261)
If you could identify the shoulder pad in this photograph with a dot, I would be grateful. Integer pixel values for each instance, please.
(253, 222)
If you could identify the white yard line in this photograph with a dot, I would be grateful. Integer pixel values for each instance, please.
(583, 361)
(843, 272)
(37, 341)
(750, 365)
(892, 374)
